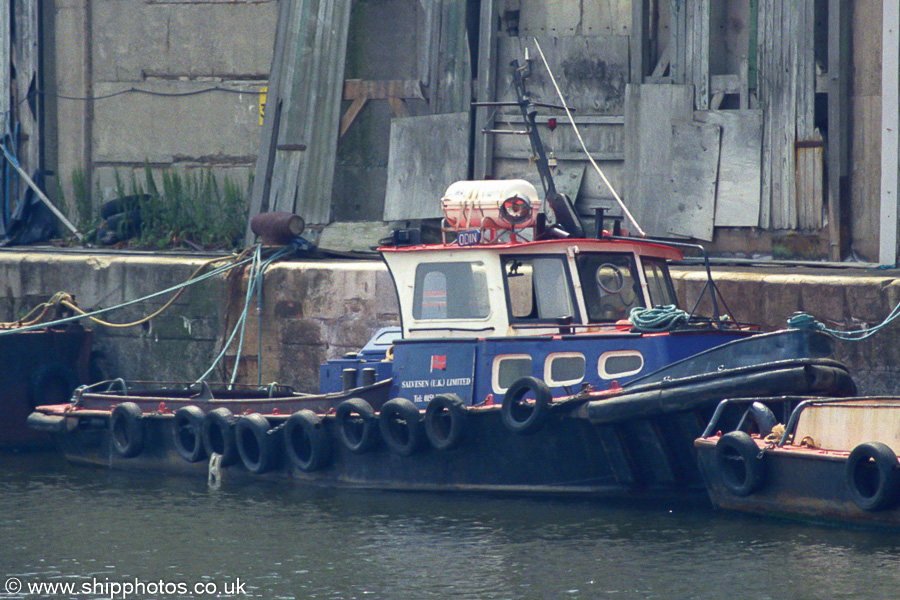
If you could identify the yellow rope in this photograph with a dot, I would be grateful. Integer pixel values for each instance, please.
(66, 300)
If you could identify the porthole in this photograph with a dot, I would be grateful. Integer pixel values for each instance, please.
(620, 363)
(507, 369)
(564, 368)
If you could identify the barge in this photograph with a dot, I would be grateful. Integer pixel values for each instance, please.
(835, 461)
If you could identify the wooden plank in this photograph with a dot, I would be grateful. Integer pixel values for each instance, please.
(311, 88)
(678, 40)
(701, 50)
(451, 89)
(265, 162)
(639, 40)
(890, 141)
(603, 17)
(809, 178)
(5, 60)
(764, 85)
(651, 110)
(485, 88)
(740, 166)
(592, 71)
(695, 153)
(26, 59)
(427, 154)
(838, 164)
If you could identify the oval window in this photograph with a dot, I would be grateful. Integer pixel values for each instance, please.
(564, 368)
(620, 363)
(508, 369)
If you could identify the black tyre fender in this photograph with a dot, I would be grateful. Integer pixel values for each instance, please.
(401, 427)
(218, 435)
(126, 430)
(738, 463)
(521, 416)
(51, 384)
(254, 443)
(872, 476)
(356, 425)
(306, 441)
(187, 433)
(445, 421)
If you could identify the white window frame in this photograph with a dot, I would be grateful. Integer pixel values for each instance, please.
(548, 368)
(495, 369)
(601, 364)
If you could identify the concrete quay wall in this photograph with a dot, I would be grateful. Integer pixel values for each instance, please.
(315, 310)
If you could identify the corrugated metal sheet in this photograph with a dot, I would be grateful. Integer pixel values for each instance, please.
(295, 169)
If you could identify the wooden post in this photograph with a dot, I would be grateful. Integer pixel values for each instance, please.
(890, 143)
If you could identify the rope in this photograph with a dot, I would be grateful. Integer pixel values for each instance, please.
(255, 283)
(32, 325)
(658, 319)
(802, 320)
(584, 146)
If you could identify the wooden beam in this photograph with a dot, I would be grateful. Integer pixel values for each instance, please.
(838, 165)
(265, 162)
(486, 77)
(394, 91)
(640, 44)
(5, 60)
(890, 142)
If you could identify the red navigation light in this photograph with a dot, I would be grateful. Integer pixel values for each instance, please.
(551, 123)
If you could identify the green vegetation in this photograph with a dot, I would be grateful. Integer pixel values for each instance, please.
(189, 210)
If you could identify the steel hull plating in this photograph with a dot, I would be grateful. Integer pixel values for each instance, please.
(626, 444)
(38, 367)
(804, 484)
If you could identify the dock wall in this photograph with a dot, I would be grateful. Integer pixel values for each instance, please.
(315, 310)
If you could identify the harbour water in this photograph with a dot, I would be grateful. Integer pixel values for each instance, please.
(138, 536)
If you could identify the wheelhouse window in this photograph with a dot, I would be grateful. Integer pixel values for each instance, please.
(454, 290)
(610, 285)
(659, 282)
(538, 288)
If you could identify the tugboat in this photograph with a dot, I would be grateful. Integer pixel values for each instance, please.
(834, 462)
(531, 358)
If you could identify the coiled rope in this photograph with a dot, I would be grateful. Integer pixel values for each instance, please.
(802, 320)
(657, 319)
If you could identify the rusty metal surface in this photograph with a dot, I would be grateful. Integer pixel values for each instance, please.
(38, 367)
(800, 483)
